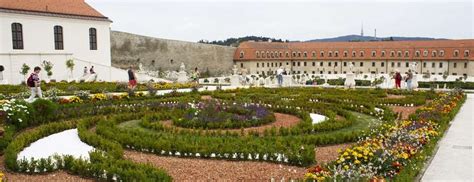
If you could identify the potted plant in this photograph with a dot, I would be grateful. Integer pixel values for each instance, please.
(70, 65)
(48, 67)
(24, 70)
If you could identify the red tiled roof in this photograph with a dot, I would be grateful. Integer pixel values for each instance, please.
(448, 46)
(63, 7)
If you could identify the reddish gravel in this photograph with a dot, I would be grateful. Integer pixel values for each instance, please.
(325, 154)
(186, 169)
(281, 120)
(58, 176)
(406, 111)
(395, 96)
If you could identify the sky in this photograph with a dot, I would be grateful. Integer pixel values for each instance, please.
(193, 20)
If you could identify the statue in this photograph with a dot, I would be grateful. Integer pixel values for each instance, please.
(414, 81)
(182, 67)
(140, 67)
(351, 67)
(350, 78)
(234, 70)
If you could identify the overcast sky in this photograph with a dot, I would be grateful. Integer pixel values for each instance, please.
(294, 20)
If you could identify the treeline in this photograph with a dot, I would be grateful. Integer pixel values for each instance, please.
(236, 41)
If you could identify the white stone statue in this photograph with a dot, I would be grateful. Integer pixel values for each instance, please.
(350, 77)
(234, 70)
(414, 81)
(182, 68)
(351, 67)
(140, 67)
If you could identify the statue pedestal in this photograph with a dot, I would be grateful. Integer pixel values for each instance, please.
(182, 77)
(234, 80)
(350, 80)
(287, 79)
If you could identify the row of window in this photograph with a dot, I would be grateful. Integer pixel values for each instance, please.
(335, 72)
(276, 54)
(17, 37)
(361, 64)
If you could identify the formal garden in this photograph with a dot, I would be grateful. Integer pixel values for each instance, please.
(252, 134)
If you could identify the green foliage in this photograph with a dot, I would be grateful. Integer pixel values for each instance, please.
(44, 111)
(24, 69)
(48, 67)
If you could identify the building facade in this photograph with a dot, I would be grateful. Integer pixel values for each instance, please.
(50, 30)
(436, 57)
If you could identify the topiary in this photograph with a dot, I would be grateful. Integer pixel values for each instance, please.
(44, 110)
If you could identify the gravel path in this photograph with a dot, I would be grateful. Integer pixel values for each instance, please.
(325, 154)
(406, 111)
(187, 169)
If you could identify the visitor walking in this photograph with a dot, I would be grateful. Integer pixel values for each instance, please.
(92, 70)
(409, 79)
(195, 75)
(132, 79)
(33, 83)
(85, 72)
(398, 79)
(280, 76)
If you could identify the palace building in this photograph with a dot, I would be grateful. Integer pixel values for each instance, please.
(54, 31)
(435, 57)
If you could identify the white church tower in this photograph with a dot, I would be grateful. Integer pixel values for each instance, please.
(56, 31)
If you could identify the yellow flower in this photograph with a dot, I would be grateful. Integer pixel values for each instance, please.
(346, 167)
(356, 162)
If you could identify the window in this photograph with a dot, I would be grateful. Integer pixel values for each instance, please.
(294, 63)
(281, 64)
(314, 63)
(305, 54)
(263, 65)
(345, 53)
(93, 40)
(336, 54)
(329, 64)
(399, 53)
(417, 54)
(287, 54)
(456, 53)
(466, 53)
(441, 53)
(433, 65)
(258, 55)
(321, 54)
(321, 64)
(58, 38)
(268, 54)
(455, 65)
(330, 54)
(268, 64)
(433, 54)
(392, 54)
(299, 63)
(424, 64)
(258, 65)
(304, 64)
(241, 65)
(374, 53)
(335, 63)
(313, 54)
(281, 54)
(354, 54)
(393, 64)
(440, 65)
(344, 64)
(465, 65)
(17, 36)
(383, 54)
(361, 64)
(382, 64)
(425, 53)
(407, 54)
(361, 53)
(299, 54)
(373, 64)
(272, 54)
(407, 64)
(399, 64)
(294, 54)
(241, 53)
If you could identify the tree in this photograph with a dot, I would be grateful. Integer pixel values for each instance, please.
(48, 66)
(24, 70)
(70, 65)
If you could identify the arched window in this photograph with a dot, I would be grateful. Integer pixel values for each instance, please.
(374, 53)
(93, 39)
(330, 54)
(287, 54)
(392, 53)
(313, 53)
(399, 53)
(441, 53)
(257, 54)
(407, 54)
(263, 54)
(383, 54)
(321, 54)
(241, 54)
(466, 53)
(456, 53)
(345, 54)
(268, 54)
(272, 54)
(294, 54)
(305, 54)
(433, 54)
(354, 54)
(361, 53)
(58, 38)
(299, 54)
(336, 54)
(17, 35)
(281, 54)
(417, 54)
(425, 53)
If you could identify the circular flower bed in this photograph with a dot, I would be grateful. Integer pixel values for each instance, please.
(216, 115)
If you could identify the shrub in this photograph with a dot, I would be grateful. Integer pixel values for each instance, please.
(44, 111)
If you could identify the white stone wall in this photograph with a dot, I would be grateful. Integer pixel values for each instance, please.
(38, 40)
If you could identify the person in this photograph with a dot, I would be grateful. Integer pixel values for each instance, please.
(85, 71)
(398, 79)
(195, 75)
(409, 78)
(92, 70)
(132, 79)
(280, 76)
(33, 83)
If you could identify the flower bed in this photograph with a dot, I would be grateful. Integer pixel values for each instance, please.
(214, 115)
